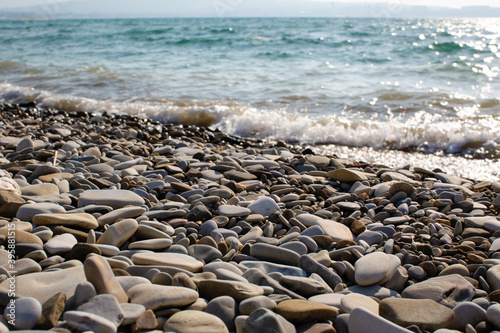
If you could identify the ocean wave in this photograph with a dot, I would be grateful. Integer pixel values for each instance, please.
(422, 132)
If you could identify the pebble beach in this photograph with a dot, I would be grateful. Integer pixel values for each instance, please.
(116, 223)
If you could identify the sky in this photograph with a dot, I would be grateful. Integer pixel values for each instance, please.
(440, 3)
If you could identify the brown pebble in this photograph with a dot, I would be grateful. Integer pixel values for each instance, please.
(51, 311)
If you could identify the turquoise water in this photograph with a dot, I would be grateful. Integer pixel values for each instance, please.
(417, 85)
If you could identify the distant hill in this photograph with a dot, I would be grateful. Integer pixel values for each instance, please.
(235, 8)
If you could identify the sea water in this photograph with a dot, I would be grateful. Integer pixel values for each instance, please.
(423, 92)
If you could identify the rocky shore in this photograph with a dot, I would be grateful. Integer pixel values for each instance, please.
(124, 224)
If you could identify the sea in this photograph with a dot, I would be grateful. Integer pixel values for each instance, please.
(396, 92)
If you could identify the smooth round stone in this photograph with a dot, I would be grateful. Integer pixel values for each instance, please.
(263, 206)
(22, 236)
(118, 233)
(106, 306)
(40, 189)
(375, 268)
(112, 198)
(251, 304)
(455, 269)
(204, 252)
(190, 321)
(467, 313)
(224, 308)
(424, 313)
(492, 225)
(263, 321)
(233, 211)
(99, 273)
(495, 245)
(44, 285)
(346, 175)
(370, 237)
(297, 247)
(493, 315)
(28, 211)
(362, 321)
(251, 236)
(352, 301)
(336, 230)
(25, 311)
(80, 220)
(131, 312)
(330, 299)
(493, 277)
(301, 311)
(151, 244)
(207, 227)
(25, 143)
(60, 244)
(84, 321)
(275, 254)
(155, 297)
(210, 289)
(417, 272)
(447, 290)
(168, 259)
(83, 293)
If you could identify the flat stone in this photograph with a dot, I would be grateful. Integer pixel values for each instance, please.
(99, 273)
(44, 285)
(120, 213)
(60, 244)
(424, 313)
(275, 254)
(495, 245)
(238, 290)
(346, 175)
(40, 189)
(455, 269)
(311, 266)
(362, 321)
(80, 220)
(118, 233)
(263, 206)
(178, 260)
(233, 211)
(351, 301)
(52, 311)
(300, 311)
(375, 268)
(154, 297)
(151, 244)
(84, 291)
(22, 236)
(106, 306)
(128, 282)
(249, 305)
(112, 198)
(84, 321)
(330, 299)
(239, 176)
(306, 287)
(190, 321)
(25, 311)
(373, 291)
(131, 312)
(28, 211)
(448, 290)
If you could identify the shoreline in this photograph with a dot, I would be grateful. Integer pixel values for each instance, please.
(128, 224)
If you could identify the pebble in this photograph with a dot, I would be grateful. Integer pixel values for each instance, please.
(426, 314)
(154, 297)
(153, 216)
(301, 311)
(24, 312)
(190, 321)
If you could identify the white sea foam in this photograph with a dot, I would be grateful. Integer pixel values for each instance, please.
(375, 139)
